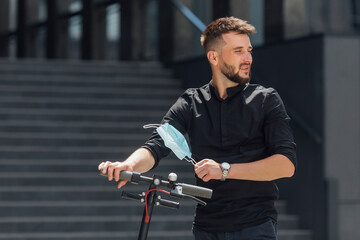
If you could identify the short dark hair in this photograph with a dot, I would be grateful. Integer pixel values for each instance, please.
(215, 29)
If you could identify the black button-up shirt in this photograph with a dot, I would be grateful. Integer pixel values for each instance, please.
(249, 125)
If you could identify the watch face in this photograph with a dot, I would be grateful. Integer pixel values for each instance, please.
(225, 165)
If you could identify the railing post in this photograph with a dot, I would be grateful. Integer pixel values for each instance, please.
(166, 31)
(21, 29)
(51, 30)
(221, 8)
(87, 51)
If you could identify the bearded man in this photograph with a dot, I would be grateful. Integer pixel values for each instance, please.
(239, 135)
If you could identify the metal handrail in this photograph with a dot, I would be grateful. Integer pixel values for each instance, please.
(189, 15)
(355, 6)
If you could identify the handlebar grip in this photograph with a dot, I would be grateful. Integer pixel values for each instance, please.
(196, 190)
(169, 204)
(126, 175)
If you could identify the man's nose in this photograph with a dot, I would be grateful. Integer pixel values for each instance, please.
(248, 57)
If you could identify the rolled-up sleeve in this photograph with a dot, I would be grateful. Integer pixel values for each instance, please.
(177, 116)
(278, 134)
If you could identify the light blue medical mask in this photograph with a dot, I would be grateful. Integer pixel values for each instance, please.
(174, 140)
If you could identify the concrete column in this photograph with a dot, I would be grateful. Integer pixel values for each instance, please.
(4, 28)
(317, 16)
(32, 36)
(342, 128)
(294, 18)
(99, 36)
(63, 29)
(133, 25)
(151, 31)
(339, 16)
(126, 26)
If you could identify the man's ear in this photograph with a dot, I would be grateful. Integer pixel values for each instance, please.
(212, 56)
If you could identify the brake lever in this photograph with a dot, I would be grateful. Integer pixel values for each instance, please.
(195, 199)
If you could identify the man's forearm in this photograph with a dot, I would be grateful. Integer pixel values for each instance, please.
(141, 160)
(268, 169)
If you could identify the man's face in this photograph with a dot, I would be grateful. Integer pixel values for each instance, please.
(235, 57)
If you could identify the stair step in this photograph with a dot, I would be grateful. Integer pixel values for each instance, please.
(92, 223)
(43, 179)
(78, 208)
(85, 103)
(101, 81)
(94, 115)
(103, 91)
(294, 235)
(59, 120)
(132, 235)
(84, 68)
(108, 235)
(36, 172)
(73, 193)
(36, 62)
(88, 208)
(71, 152)
(125, 93)
(130, 221)
(26, 135)
(50, 127)
(73, 139)
(170, 161)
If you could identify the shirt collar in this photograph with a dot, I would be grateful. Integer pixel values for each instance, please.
(231, 91)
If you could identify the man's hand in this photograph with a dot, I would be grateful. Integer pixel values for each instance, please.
(208, 169)
(113, 169)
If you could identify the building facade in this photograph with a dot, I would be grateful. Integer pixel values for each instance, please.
(308, 49)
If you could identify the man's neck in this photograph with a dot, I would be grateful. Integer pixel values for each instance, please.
(221, 85)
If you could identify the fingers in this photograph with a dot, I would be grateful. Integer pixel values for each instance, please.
(201, 172)
(202, 163)
(112, 169)
(121, 183)
(103, 167)
(208, 169)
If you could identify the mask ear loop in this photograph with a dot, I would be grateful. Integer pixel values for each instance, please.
(190, 160)
(152, 125)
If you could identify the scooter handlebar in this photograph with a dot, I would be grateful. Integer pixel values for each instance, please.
(186, 188)
(196, 190)
(126, 175)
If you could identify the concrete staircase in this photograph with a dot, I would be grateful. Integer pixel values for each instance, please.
(58, 120)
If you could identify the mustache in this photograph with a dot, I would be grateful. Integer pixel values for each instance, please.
(245, 64)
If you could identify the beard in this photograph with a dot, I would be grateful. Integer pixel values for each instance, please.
(229, 73)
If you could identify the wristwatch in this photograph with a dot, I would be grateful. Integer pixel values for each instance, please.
(225, 167)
